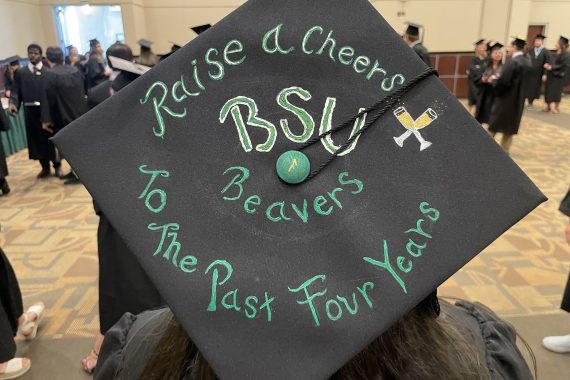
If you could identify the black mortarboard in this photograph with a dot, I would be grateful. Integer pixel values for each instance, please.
(540, 36)
(174, 46)
(124, 65)
(13, 60)
(564, 40)
(495, 45)
(201, 28)
(413, 29)
(145, 43)
(519, 41)
(280, 281)
(479, 42)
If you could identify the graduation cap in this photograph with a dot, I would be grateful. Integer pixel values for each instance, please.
(493, 45)
(519, 41)
(283, 248)
(13, 60)
(145, 43)
(174, 46)
(201, 28)
(540, 36)
(93, 42)
(480, 42)
(129, 66)
(564, 40)
(413, 29)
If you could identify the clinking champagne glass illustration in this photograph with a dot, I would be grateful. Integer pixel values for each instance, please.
(413, 126)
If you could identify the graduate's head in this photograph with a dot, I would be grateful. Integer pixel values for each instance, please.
(95, 46)
(539, 40)
(35, 53)
(562, 43)
(496, 49)
(72, 50)
(481, 48)
(518, 44)
(54, 55)
(119, 50)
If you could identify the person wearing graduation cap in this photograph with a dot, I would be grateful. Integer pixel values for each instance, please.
(475, 71)
(555, 73)
(63, 97)
(509, 89)
(123, 285)
(146, 56)
(492, 72)
(13, 65)
(412, 38)
(95, 69)
(27, 91)
(291, 207)
(539, 56)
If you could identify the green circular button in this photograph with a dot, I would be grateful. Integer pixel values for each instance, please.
(293, 167)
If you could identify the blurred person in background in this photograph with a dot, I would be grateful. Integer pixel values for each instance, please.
(555, 73)
(490, 75)
(475, 71)
(539, 57)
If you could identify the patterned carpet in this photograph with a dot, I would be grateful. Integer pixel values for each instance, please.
(49, 233)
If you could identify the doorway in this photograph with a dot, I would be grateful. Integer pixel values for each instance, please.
(77, 24)
(533, 31)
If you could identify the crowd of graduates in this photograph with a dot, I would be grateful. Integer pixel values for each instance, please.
(498, 87)
(56, 88)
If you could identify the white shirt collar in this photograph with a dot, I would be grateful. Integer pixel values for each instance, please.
(415, 43)
(517, 53)
(38, 66)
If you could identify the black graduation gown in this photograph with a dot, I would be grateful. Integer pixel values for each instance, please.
(476, 69)
(534, 81)
(11, 308)
(95, 70)
(486, 96)
(508, 106)
(4, 126)
(565, 209)
(423, 53)
(27, 90)
(555, 77)
(63, 98)
(99, 93)
(123, 284)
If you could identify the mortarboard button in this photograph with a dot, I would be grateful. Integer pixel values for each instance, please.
(293, 167)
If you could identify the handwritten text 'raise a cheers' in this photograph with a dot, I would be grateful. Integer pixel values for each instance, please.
(172, 99)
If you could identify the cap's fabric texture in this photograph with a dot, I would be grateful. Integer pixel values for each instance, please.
(281, 281)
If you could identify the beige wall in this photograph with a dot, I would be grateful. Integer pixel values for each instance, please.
(451, 25)
(17, 18)
(555, 14)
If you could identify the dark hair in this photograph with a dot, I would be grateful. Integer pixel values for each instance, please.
(35, 46)
(55, 54)
(119, 50)
(563, 44)
(420, 345)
